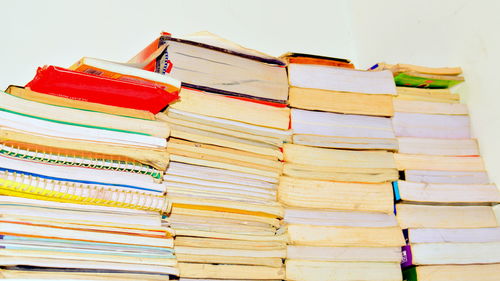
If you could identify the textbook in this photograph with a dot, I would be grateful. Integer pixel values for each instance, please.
(207, 62)
(57, 81)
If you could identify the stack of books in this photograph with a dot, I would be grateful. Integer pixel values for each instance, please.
(336, 187)
(81, 165)
(227, 131)
(445, 197)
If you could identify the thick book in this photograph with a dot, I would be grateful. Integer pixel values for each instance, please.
(338, 165)
(374, 197)
(208, 62)
(332, 130)
(70, 84)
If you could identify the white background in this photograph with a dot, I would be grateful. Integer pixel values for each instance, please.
(432, 33)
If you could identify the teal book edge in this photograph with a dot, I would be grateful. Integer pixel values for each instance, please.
(395, 188)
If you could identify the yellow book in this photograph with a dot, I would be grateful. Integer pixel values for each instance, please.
(342, 102)
(233, 109)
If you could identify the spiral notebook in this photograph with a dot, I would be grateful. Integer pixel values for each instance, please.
(95, 162)
(29, 186)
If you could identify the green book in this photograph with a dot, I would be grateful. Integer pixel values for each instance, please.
(419, 80)
(410, 274)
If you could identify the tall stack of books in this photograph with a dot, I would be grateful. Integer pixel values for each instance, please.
(445, 197)
(336, 187)
(227, 131)
(81, 161)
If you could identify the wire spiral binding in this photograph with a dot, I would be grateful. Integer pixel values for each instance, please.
(74, 160)
(23, 185)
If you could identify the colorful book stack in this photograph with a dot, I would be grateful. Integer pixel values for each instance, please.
(81, 162)
(336, 187)
(226, 134)
(444, 196)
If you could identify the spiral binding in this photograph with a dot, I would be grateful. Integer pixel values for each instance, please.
(74, 160)
(28, 186)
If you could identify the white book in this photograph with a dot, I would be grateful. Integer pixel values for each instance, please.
(219, 175)
(448, 193)
(76, 132)
(432, 146)
(338, 218)
(454, 235)
(341, 79)
(455, 253)
(452, 177)
(342, 125)
(348, 254)
(431, 126)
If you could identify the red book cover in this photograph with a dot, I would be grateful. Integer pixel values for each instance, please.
(76, 85)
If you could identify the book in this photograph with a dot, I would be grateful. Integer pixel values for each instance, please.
(83, 118)
(97, 177)
(341, 102)
(401, 67)
(214, 123)
(28, 94)
(374, 197)
(338, 165)
(429, 107)
(330, 271)
(229, 271)
(213, 105)
(421, 80)
(66, 83)
(208, 62)
(341, 79)
(301, 58)
(452, 177)
(423, 94)
(33, 187)
(438, 162)
(55, 128)
(476, 194)
(443, 147)
(423, 77)
(431, 125)
(332, 130)
(157, 158)
(426, 216)
(479, 272)
(126, 72)
(344, 254)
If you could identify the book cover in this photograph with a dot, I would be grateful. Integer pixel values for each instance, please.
(75, 85)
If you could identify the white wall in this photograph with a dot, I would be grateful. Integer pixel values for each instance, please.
(59, 32)
(441, 33)
(432, 33)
